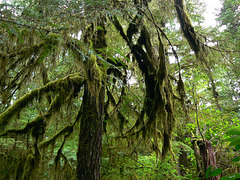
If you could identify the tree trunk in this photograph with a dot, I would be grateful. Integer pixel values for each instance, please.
(183, 162)
(91, 126)
(205, 157)
(90, 136)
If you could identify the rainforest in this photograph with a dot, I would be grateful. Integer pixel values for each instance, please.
(119, 89)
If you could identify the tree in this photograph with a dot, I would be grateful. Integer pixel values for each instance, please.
(230, 16)
(63, 76)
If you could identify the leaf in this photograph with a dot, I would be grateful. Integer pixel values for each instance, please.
(237, 147)
(216, 172)
(100, 28)
(234, 176)
(233, 132)
(236, 159)
(208, 171)
(235, 142)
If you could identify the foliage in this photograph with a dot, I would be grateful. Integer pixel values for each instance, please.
(230, 16)
(135, 85)
(145, 167)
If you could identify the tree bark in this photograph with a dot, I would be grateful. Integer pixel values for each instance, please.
(90, 137)
(205, 157)
(91, 126)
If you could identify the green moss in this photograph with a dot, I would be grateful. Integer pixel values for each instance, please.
(94, 75)
(62, 132)
(53, 39)
(37, 126)
(16, 107)
(54, 86)
(33, 126)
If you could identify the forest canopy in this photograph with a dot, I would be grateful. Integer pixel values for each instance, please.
(109, 89)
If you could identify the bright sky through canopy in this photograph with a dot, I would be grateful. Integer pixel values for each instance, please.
(212, 9)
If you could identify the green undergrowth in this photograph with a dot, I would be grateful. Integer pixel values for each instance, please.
(144, 167)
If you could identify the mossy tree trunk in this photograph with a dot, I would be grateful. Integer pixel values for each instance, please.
(205, 157)
(90, 137)
(92, 112)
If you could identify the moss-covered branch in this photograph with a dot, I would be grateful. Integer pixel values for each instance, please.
(201, 50)
(187, 27)
(50, 40)
(60, 85)
(66, 130)
(158, 101)
(37, 122)
(118, 26)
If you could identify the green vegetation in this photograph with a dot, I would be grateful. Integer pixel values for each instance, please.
(108, 89)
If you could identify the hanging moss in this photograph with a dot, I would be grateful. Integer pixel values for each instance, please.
(3, 63)
(54, 86)
(66, 130)
(38, 127)
(37, 122)
(120, 117)
(26, 166)
(58, 158)
(67, 169)
(25, 60)
(157, 107)
(186, 26)
(25, 52)
(29, 167)
(201, 51)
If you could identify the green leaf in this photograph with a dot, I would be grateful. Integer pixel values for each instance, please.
(216, 172)
(208, 171)
(235, 142)
(237, 147)
(234, 176)
(236, 159)
(233, 132)
(100, 28)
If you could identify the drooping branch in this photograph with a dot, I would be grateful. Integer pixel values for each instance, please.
(59, 155)
(120, 116)
(63, 132)
(24, 61)
(118, 26)
(51, 141)
(73, 81)
(195, 42)
(38, 122)
(158, 101)
(187, 27)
